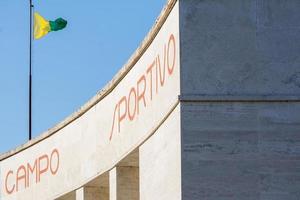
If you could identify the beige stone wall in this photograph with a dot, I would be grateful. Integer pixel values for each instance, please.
(160, 162)
(124, 183)
(117, 121)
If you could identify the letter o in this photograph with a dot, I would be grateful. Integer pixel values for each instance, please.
(52, 169)
(132, 91)
(171, 40)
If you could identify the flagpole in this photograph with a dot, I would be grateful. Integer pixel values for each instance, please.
(30, 75)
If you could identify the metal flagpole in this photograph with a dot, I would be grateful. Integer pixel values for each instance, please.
(30, 74)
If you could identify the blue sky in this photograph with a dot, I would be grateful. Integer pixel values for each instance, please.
(69, 66)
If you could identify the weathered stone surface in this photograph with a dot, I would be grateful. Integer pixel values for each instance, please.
(160, 162)
(236, 47)
(240, 150)
(233, 134)
(124, 183)
(92, 193)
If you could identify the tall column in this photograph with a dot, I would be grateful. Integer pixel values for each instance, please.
(124, 183)
(240, 99)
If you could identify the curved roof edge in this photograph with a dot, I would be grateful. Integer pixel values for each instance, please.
(107, 88)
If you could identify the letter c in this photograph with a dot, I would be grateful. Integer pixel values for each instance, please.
(8, 191)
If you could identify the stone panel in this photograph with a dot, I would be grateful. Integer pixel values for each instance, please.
(232, 48)
(160, 176)
(240, 150)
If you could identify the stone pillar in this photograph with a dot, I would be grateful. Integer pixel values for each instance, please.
(124, 183)
(160, 162)
(92, 193)
(240, 99)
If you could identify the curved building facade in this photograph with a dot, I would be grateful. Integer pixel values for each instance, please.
(208, 107)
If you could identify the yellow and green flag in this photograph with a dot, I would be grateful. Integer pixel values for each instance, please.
(42, 26)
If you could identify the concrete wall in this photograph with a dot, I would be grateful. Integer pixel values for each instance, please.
(232, 134)
(240, 92)
(240, 47)
(241, 151)
(160, 162)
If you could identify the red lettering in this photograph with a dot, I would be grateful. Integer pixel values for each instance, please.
(52, 169)
(113, 124)
(131, 116)
(123, 115)
(149, 70)
(164, 65)
(141, 95)
(161, 76)
(21, 177)
(26, 172)
(171, 41)
(46, 167)
(9, 191)
(30, 170)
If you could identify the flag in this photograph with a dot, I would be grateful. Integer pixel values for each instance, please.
(42, 26)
